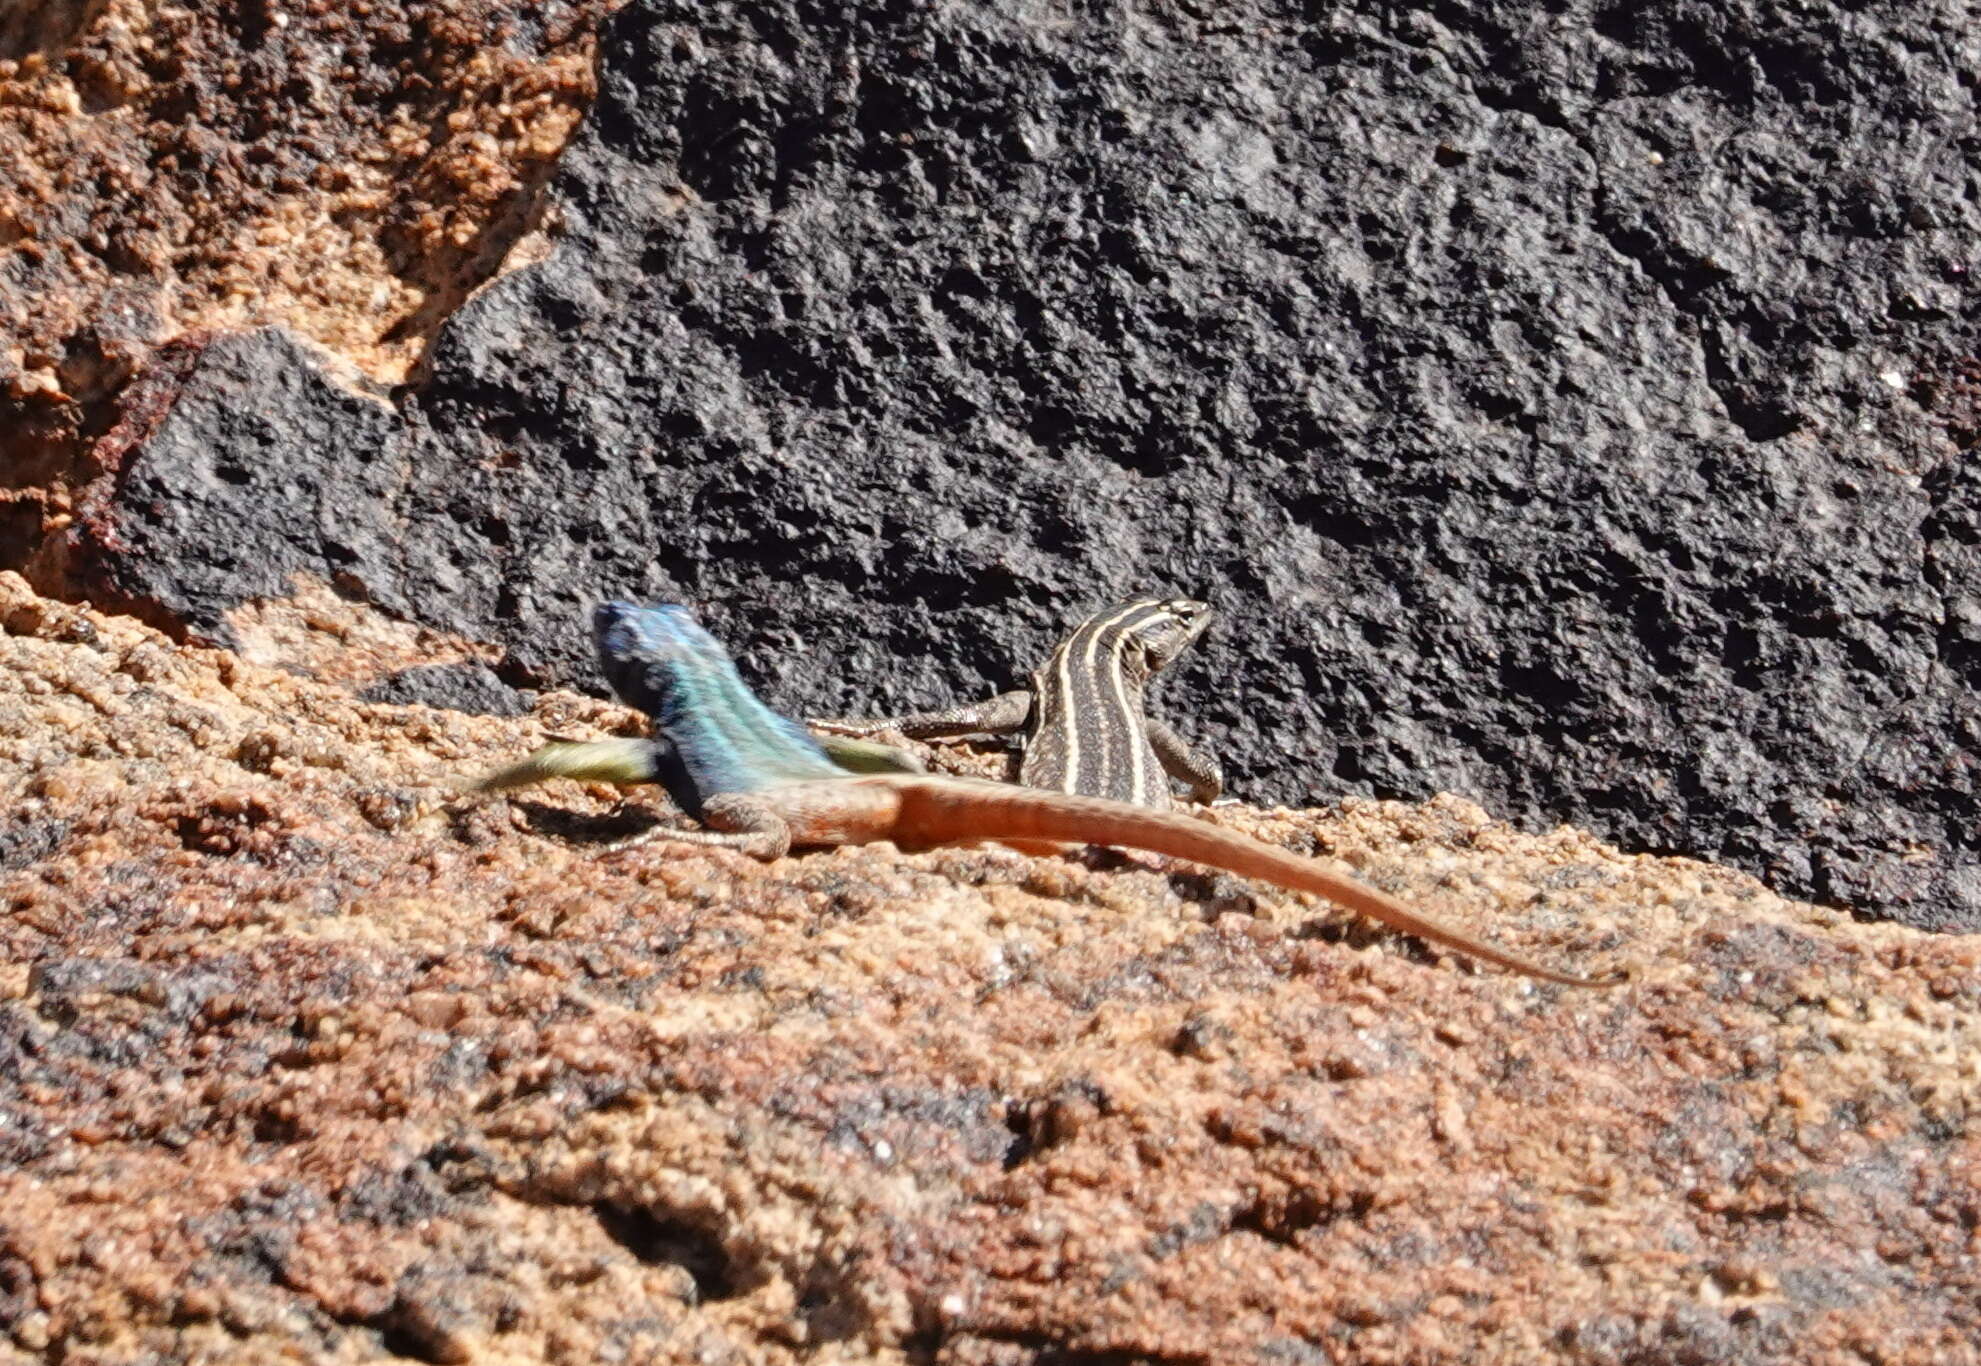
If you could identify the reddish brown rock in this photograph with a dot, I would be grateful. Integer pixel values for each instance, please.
(351, 171)
(1575, 414)
(306, 1054)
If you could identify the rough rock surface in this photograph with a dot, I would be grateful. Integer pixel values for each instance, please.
(1569, 407)
(349, 170)
(304, 1057)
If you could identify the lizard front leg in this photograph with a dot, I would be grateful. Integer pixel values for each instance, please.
(868, 756)
(1185, 764)
(998, 715)
(625, 762)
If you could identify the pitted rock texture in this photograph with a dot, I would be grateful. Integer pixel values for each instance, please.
(305, 1056)
(1571, 410)
(351, 171)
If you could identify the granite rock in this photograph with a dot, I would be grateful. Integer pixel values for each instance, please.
(1568, 409)
(303, 1054)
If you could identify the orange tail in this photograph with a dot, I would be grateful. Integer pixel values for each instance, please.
(944, 811)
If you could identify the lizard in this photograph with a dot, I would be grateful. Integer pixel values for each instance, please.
(761, 784)
(1087, 731)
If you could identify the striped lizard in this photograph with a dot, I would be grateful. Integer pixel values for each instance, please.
(1087, 729)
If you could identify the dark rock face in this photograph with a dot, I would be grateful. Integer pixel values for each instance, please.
(256, 467)
(1565, 409)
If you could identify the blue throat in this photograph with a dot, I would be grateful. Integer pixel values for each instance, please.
(721, 737)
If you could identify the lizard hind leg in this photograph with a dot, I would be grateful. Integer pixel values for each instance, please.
(737, 822)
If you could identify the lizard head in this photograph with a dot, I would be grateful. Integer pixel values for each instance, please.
(721, 737)
(1148, 633)
(648, 652)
